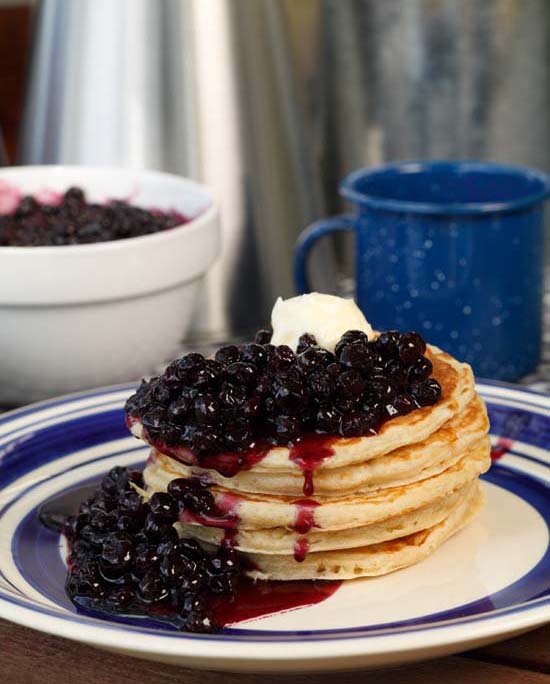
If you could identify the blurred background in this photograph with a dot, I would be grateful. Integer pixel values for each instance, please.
(271, 103)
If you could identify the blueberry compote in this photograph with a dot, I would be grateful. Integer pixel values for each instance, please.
(125, 558)
(231, 408)
(72, 220)
(125, 555)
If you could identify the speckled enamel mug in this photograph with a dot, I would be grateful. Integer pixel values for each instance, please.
(454, 250)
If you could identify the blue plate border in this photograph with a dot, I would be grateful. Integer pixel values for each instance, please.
(515, 482)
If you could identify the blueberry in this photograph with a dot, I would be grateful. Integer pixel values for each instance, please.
(118, 551)
(171, 376)
(263, 337)
(191, 362)
(286, 428)
(85, 582)
(327, 420)
(237, 434)
(130, 504)
(232, 395)
(357, 356)
(351, 337)
(92, 536)
(241, 373)
(27, 205)
(159, 393)
(172, 434)
(264, 384)
(306, 341)
(198, 621)
(320, 385)
(420, 370)
(74, 194)
(402, 404)
(146, 558)
(206, 410)
(163, 507)
(101, 521)
(395, 372)
(189, 548)
(283, 357)
(221, 583)
(254, 354)
(252, 407)
(411, 347)
(426, 393)
(152, 588)
(73, 524)
(178, 487)
(227, 355)
(175, 566)
(120, 597)
(199, 501)
(351, 384)
(314, 359)
(179, 409)
(380, 389)
(128, 524)
(165, 546)
(155, 527)
(153, 421)
(290, 396)
(387, 344)
(206, 441)
(356, 423)
(208, 374)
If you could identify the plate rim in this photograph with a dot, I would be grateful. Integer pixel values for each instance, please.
(470, 629)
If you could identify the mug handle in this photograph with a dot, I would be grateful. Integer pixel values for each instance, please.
(306, 240)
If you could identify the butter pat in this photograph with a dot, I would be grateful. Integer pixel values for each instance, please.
(325, 316)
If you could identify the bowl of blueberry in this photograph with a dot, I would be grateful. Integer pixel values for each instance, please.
(99, 274)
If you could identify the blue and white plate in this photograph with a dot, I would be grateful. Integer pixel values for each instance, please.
(489, 581)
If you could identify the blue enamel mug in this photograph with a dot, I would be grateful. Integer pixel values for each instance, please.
(454, 250)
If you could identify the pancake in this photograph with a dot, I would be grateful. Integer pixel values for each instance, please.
(352, 510)
(375, 503)
(371, 560)
(458, 390)
(405, 465)
(283, 541)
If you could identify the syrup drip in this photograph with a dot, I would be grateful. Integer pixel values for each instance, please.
(308, 489)
(305, 515)
(224, 522)
(501, 448)
(229, 540)
(301, 548)
(309, 453)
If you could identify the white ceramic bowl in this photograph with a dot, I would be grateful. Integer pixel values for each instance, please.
(75, 317)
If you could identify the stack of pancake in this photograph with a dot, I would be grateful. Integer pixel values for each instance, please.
(379, 503)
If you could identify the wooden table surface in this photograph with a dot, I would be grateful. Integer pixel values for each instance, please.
(29, 657)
